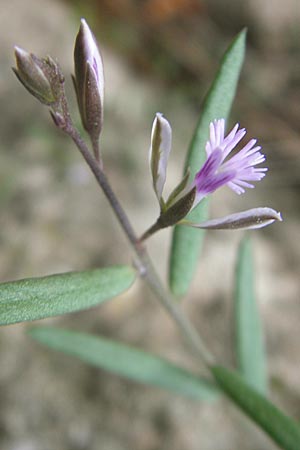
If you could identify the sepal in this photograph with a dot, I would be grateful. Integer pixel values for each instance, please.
(178, 211)
(178, 189)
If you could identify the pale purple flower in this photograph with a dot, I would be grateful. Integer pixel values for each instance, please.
(237, 171)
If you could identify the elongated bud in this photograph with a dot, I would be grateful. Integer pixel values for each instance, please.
(161, 141)
(89, 80)
(247, 220)
(37, 75)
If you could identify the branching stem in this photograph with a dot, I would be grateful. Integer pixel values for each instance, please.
(143, 262)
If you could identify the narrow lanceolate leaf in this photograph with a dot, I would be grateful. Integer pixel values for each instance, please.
(187, 241)
(38, 298)
(281, 428)
(126, 361)
(249, 336)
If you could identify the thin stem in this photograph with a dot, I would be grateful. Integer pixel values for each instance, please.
(144, 263)
(151, 230)
(104, 184)
(96, 150)
(173, 308)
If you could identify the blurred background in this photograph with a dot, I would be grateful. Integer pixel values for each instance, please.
(159, 55)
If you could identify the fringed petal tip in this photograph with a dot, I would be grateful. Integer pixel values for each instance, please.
(237, 170)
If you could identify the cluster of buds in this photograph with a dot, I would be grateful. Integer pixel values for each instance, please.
(43, 79)
(237, 172)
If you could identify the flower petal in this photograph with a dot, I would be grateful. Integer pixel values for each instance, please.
(220, 168)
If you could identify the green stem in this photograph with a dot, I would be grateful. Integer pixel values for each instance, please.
(173, 308)
(96, 150)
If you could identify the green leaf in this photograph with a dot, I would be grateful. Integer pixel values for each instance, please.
(249, 336)
(37, 298)
(281, 428)
(187, 241)
(126, 361)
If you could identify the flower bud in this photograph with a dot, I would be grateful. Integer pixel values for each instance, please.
(160, 147)
(246, 220)
(89, 80)
(35, 75)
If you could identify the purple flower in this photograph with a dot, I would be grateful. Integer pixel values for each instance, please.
(236, 171)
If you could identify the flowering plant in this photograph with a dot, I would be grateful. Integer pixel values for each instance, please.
(38, 298)
(235, 172)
